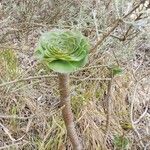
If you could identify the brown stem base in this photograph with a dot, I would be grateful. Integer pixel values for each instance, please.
(66, 111)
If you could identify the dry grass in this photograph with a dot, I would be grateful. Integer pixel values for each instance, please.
(30, 115)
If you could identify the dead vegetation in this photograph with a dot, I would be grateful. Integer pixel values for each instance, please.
(30, 114)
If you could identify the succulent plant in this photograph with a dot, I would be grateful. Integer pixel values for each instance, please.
(63, 51)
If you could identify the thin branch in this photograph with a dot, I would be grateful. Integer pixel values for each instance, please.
(48, 76)
(15, 117)
(116, 24)
(106, 35)
(131, 114)
(7, 132)
(26, 79)
(143, 114)
(130, 12)
(108, 108)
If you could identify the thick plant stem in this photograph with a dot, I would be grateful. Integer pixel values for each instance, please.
(66, 111)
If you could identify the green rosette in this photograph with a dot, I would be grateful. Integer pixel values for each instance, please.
(63, 51)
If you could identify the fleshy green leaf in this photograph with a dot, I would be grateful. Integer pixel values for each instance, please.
(63, 51)
(116, 70)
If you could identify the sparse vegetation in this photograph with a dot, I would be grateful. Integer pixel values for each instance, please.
(30, 111)
(121, 142)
